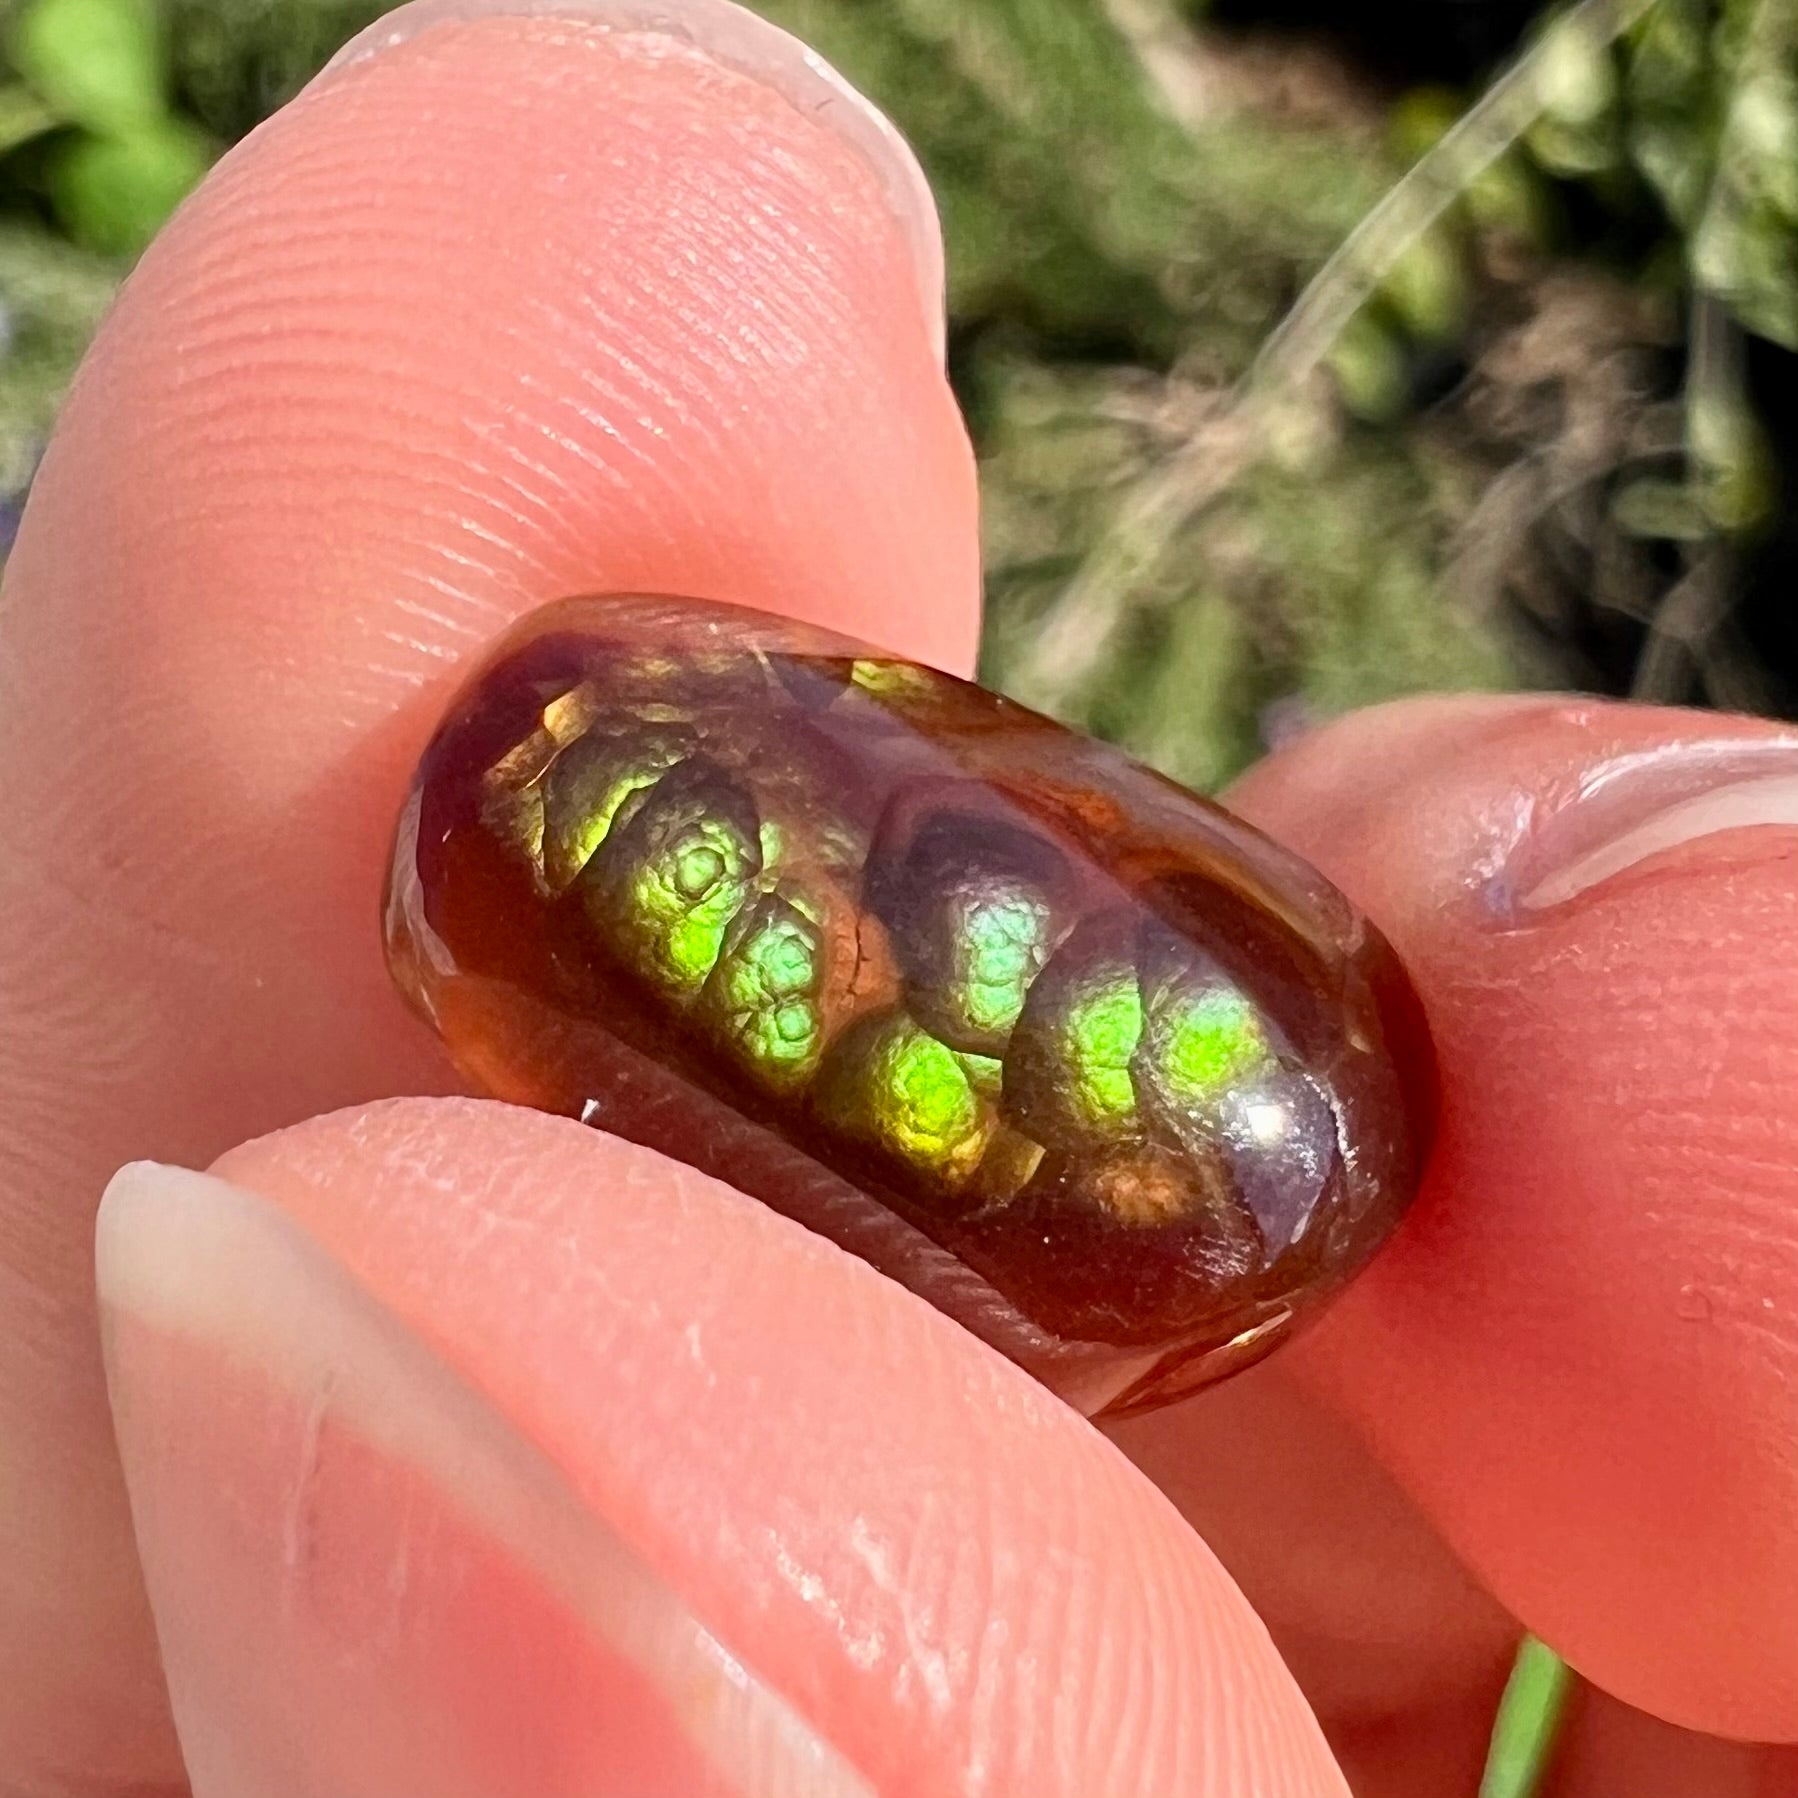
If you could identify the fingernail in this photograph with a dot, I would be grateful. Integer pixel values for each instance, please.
(1628, 809)
(738, 39)
(366, 1582)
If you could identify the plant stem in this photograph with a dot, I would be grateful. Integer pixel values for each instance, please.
(1476, 141)
(1528, 1716)
(1087, 614)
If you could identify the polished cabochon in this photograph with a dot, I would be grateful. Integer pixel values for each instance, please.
(1076, 1055)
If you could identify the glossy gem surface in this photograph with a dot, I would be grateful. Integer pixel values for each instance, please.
(1078, 1056)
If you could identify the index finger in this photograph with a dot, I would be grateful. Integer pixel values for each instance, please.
(511, 308)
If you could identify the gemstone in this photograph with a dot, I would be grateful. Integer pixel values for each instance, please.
(1113, 1080)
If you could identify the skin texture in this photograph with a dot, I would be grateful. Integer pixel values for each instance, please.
(639, 1402)
(684, 352)
(1633, 1252)
(290, 557)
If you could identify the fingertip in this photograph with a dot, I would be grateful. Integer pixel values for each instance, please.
(514, 309)
(1577, 1352)
(344, 1543)
(735, 38)
(977, 1590)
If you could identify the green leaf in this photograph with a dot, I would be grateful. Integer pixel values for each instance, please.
(23, 116)
(1509, 199)
(94, 62)
(1576, 133)
(1420, 120)
(1081, 201)
(1427, 286)
(1745, 246)
(1369, 365)
(1714, 127)
(113, 194)
(1735, 476)
(1196, 705)
(1674, 106)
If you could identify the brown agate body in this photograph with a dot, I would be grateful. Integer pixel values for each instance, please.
(1110, 1078)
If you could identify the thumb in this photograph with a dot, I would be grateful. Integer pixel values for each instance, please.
(474, 1452)
(502, 308)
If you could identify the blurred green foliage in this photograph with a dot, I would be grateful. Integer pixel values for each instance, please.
(55, 296)
(1291, 390)
(90, 94)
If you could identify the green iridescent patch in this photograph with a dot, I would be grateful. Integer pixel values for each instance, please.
(764, 991)
(1099, 1033)
(895, 1084)
(1002, 942)
(1204, 1039)
(889, 680)
(1210, 1042)
(1069, 1078)
(668, 882)
(924, 1103)
(588, 786)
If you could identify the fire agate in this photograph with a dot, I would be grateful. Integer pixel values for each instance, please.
(1103, 1073)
